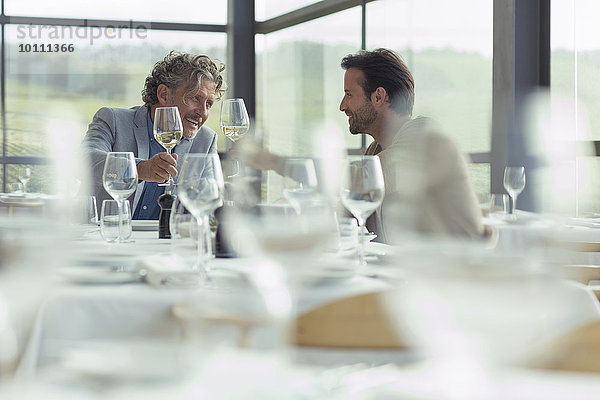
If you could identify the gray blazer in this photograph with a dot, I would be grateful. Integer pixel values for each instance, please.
(126, 129)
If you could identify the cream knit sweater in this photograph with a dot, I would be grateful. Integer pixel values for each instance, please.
(427, 186)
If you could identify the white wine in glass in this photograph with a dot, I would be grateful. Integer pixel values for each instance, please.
(234, 122)
(168, 131)
(120, 180)
(514, 183)
(362, 192)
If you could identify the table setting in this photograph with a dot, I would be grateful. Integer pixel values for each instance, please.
(127, 313)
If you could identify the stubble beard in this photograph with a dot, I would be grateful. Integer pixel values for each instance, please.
(362, 118)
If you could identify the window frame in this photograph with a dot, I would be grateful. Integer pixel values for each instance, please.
(521, 63)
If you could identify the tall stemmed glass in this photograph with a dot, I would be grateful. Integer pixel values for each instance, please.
(234, 123)
(120, 180)
(168, 131)
(514, 183)
(200, 190)
(362, 192)
(300, 185)
(24, 176)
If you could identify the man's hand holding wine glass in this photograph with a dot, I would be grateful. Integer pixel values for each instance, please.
(158, 168)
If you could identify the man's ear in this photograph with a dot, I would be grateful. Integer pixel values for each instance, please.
(164, 95)
(379, 97)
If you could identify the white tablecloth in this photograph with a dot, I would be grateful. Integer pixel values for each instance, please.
(74, 313)
(541, 236)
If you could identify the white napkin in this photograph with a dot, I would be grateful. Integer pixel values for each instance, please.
(587, 222)
(168, 270)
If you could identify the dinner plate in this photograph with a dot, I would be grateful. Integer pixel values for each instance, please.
(126, 360)
(144, 224)
(97, 275)
(13, 195)
(327, 276)
(20, 197)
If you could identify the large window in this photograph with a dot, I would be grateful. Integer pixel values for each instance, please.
(300, 81)
(299, 43)
(60, 75)
(301, 86)
(574, 84)
(449, 53)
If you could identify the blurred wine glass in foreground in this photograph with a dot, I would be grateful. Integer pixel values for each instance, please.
(362, 192)
(200, 190)
(292, 241)
(300, 186)
(469, 310)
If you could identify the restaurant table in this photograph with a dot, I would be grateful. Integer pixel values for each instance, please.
(78, 312)
(75, 315)
(550, 237)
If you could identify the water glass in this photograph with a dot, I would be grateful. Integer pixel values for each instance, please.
(348, 234)
(109, 221)
(499, 205)
(90, 211)
(15, 187)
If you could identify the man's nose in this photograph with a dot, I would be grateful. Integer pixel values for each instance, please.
(202, 112)
(343, 105)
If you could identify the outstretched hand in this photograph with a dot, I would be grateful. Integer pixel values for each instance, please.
(158, 168)
(255, 156)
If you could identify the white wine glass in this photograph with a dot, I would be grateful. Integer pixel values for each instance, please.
(362, 192)
(120, 180)
(200, 190)
(234, 123)
(24, 177)
(300, 183)
(168, 131)
(514, 183)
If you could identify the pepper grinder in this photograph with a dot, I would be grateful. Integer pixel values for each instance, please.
(165, 201)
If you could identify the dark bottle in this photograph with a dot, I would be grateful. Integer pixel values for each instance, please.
(222, 246)
(165, 201)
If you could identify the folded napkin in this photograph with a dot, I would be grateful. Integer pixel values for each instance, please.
(168, 270)
(587, 222)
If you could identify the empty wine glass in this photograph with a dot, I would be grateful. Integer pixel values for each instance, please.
(200, 190)
(120, 180)
(24, 177)
(514, 183)
(234, 122)
(168, 131)
(362, 192)
(300, 185)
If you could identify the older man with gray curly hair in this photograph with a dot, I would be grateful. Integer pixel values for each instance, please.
(192, 83)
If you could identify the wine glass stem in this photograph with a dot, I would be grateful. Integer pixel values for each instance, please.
(170, 180)
(361, 245)
(202, 257)
(513, 206)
